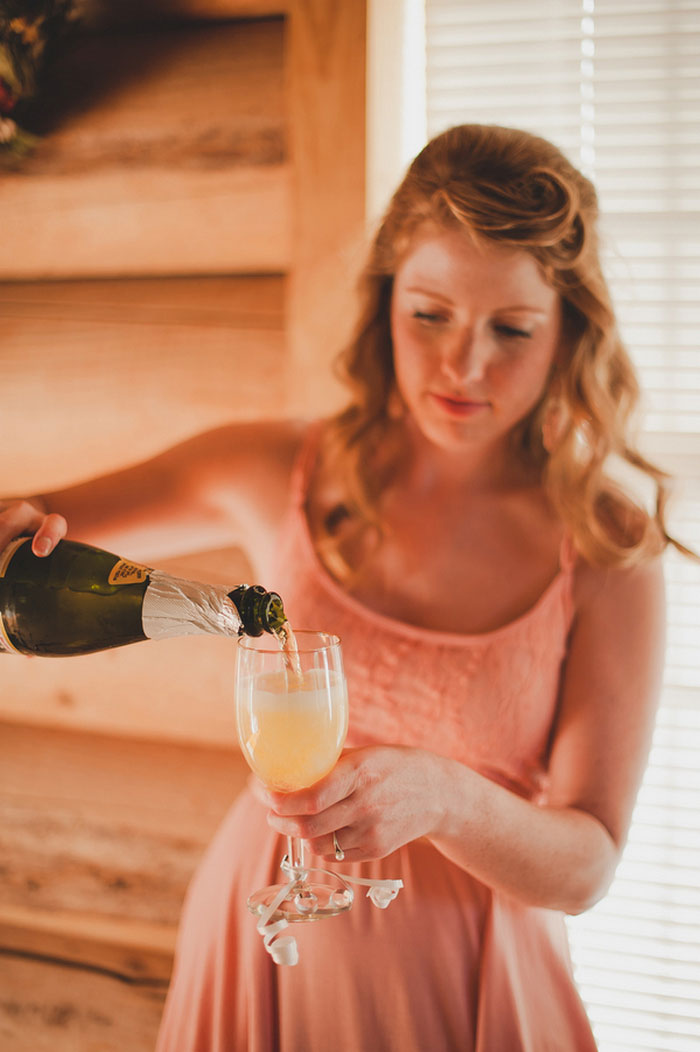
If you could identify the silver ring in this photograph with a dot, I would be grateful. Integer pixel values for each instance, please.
(339, 853)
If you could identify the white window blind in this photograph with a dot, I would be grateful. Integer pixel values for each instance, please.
(616, 84)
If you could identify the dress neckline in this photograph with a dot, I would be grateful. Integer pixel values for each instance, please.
(560, 583)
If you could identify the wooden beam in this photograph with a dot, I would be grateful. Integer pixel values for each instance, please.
(119, 790)
(116, 361)
(162, 152)
(183, 695)
(150, 224)
(99, 837)
(49, 1007)
(326, 92)
(79, 807)
(128, 10)
(128, 949)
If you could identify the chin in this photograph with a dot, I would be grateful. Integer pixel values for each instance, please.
(453, 436)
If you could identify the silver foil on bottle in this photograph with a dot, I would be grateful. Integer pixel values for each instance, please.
(175, 607)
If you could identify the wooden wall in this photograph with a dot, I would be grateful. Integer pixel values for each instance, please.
(177, 253)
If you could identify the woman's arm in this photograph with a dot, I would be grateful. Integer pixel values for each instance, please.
(224, 487)
(561, 855)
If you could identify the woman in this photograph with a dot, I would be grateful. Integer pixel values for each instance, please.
(500, 602)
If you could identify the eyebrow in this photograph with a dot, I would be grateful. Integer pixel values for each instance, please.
(519, 307)
(428, 292)
(523, 308)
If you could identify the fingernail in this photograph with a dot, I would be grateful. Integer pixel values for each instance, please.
(42, 546)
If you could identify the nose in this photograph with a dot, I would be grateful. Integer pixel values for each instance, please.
(465, 359)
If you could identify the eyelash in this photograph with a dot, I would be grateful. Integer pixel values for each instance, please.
(509, 332)
(421, 315)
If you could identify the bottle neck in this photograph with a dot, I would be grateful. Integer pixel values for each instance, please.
(260, 611)
(173, 606)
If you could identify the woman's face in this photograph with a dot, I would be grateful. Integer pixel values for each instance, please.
(475, 331)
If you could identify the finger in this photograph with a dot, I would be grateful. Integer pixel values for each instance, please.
(258, 790)
(51, 531)
(336, 786)
(23, 517)
(294, 826)
(17, 518)
(301, 802)
(309, 827)
(340, 843)
(325, 846)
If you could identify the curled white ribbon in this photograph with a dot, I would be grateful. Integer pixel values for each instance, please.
(283, 948)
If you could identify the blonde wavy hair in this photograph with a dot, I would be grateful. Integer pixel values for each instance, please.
(518, 190)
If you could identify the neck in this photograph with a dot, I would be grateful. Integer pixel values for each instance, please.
(478, 467)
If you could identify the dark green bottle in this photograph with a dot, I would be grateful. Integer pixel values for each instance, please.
(81, 599)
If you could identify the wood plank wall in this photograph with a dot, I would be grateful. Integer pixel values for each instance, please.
(178, 253)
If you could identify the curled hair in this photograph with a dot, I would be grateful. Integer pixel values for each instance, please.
(516, 189)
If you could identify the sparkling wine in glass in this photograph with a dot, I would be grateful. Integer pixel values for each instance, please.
(292, 715)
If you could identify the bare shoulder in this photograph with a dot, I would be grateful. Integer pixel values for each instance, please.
(605, 589)
(610, 692)
(617, 646)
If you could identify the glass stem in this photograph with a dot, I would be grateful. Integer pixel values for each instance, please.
(295, 850)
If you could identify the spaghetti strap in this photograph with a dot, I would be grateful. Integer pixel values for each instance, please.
(305, 463)
(567, 562)
(567, 554)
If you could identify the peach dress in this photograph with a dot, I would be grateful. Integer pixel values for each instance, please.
(450, 965)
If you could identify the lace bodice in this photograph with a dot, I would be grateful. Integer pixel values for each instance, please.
(487, 700)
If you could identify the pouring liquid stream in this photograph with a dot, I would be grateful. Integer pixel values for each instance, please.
(290, 652)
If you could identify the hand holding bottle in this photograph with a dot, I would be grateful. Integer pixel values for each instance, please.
(20, 517)
(82, 599)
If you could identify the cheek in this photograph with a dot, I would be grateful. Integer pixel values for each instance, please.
(526, 379)
(410, 357)
(407, 375)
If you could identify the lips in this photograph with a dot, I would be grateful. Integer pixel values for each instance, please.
(459, 406)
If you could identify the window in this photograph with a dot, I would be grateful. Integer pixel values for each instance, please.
(617, 86)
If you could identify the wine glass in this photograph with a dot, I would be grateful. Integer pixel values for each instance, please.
(292, 716)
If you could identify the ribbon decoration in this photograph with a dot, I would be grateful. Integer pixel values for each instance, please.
(283, 948)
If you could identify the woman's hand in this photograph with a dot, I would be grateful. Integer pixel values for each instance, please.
(376, 799)
(25, 517)
(559, 852)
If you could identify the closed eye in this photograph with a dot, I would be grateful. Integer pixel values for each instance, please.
(428, 316)
(510, 332)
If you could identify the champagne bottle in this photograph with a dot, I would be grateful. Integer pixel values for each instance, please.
(81, 599)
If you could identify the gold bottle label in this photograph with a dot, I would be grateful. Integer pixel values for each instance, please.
(6, 646)
(124, 572)
(6, 555)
